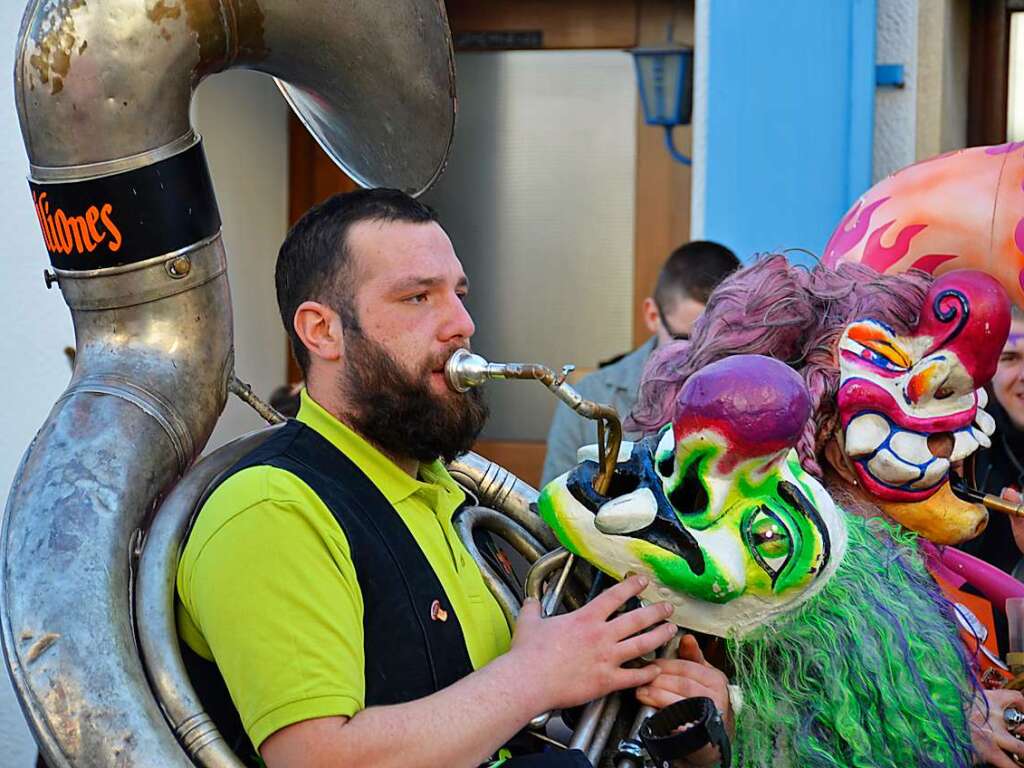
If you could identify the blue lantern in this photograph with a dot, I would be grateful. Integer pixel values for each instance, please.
(665, 78)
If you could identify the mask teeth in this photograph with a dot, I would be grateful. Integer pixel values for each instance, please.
(627, 514)
(865, 433)
(964, 446)
(984, 421)
(935, 472)
(981, 437)
(888, 467)
(911, 447)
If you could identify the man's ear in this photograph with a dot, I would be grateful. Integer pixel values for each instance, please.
(837, 458)
(652, 318)
(319, 328)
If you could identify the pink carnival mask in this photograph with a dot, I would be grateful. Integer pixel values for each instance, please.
(911, 405)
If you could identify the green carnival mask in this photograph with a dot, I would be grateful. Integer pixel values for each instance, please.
(715, 509)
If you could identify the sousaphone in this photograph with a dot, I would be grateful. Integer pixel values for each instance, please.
(129, 219)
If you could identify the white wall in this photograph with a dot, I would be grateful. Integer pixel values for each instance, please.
(896, 108)
(244, 121)
(36, 327)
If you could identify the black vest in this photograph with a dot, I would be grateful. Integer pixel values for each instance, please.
(408, 654)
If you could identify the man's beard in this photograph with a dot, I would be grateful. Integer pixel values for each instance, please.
(399, 413)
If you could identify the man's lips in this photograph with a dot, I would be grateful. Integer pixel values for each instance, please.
(859, 395)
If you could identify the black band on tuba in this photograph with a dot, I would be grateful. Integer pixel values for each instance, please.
(128, 217)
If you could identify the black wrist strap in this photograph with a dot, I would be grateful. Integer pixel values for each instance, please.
(665, 744)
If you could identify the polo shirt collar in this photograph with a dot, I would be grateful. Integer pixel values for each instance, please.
(392, 480)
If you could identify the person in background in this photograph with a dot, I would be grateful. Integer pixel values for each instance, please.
(684, 284)
(1001, 466)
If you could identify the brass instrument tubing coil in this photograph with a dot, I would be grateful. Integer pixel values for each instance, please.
(465, 370)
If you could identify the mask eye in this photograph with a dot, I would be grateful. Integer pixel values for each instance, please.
(879, 351)
(769, 541)
(880, 360)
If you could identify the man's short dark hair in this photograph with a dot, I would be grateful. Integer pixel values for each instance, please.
(693, 271)
(314, 263)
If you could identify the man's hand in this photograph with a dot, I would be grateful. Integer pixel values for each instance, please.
(686, 677)
(993, 742)
(575, 657)
(556, 662)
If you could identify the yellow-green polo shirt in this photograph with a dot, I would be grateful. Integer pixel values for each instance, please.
(267, 587)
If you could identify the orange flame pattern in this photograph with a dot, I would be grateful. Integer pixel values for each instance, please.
(960, 210)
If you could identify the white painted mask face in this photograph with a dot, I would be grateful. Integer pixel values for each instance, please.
(911, 405)
(731, 530)
(907, 412)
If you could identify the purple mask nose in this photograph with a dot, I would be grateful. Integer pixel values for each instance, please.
(759, 404)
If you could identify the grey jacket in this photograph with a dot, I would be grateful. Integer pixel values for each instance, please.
(615, 385)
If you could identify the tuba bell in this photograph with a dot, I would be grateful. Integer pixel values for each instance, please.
(129, 219)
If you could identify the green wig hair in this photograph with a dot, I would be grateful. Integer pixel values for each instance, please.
(869, 672)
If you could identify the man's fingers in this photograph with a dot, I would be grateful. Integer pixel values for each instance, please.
(635, 677)
(997, 758)
(689, 649)
(613, 598)
(1001, 748)
(656, 697)
(1011, 494)
(679, 688)
(1010, 698)
(640, 619)
(1008, 743)
(679, 669)
(530, 611)
(638, 645)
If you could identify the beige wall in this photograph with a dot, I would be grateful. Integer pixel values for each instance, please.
(943, 48)
(244, 123)
(538, 199)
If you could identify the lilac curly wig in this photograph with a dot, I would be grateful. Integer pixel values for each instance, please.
(792, 314)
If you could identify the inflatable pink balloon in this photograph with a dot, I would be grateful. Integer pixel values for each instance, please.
(963, 209)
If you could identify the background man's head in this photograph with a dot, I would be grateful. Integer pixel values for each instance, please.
(684, 284)
(1008, 383)
(371, 293)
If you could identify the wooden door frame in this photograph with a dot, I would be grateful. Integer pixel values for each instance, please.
(988, 70)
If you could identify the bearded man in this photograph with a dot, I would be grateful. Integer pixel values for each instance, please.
(323, 576)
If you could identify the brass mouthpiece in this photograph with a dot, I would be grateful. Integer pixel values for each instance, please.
(998, 504)
(465, 370)
(991, 502)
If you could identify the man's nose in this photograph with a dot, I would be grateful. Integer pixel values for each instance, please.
(458, 323)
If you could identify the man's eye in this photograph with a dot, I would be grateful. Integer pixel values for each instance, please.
(419, 298)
